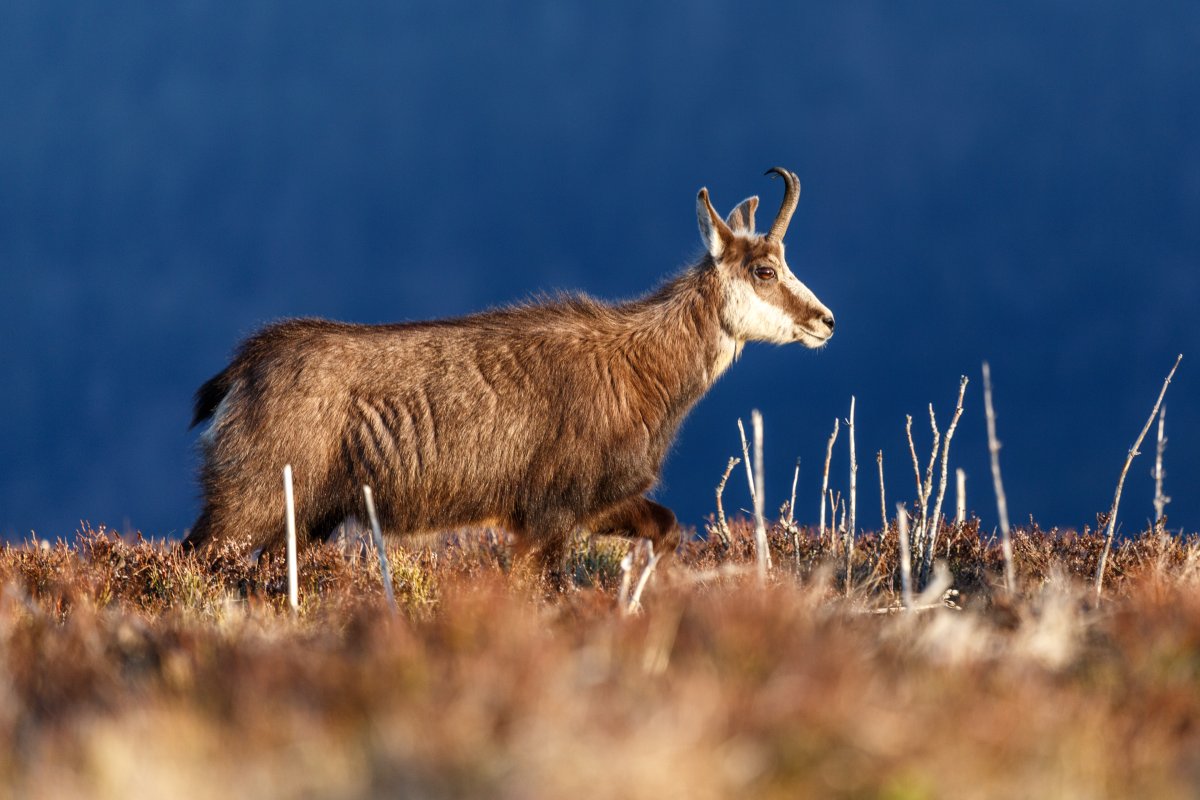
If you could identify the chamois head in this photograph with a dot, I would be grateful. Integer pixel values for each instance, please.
(762, 300)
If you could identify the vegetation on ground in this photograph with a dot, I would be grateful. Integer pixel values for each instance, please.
(130, 669)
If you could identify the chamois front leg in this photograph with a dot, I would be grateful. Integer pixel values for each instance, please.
(542, 543)
(639, 518)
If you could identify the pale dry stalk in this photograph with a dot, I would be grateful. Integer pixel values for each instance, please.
(290, 506)
(925, 490)
(905, 555)
(841, 524)
(760, 524)
(791, 507)
(746, 458)
(997, 483)
(1133, 451)
(652, 558)
(626, 581)
(385, 570)
(960, 497)
(933, 529)
(882, 500)
(791, 518)
(912, 449)
(825, 478)
(850, 529)
(1160, 499)
(722, 525)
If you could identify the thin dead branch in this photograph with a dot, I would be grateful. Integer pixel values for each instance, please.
(385, 570)
(1133, 452)
(760, 525)
(905, 555)
(722, 529)
(1160, 499)
(825, 478)
(290, 507)
(934, 526)
(997, 483)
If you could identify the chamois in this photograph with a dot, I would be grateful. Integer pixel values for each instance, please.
(538, 418)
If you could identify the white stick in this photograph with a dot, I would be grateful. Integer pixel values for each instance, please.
(1160, 499)
(385, 570)
(960, 497)
(912, 449)
(791, 517)
(932, 532)
(293, 578)
(997, 484)
(722, 524)
(791, 521)
(927, 490)
(746, 458)
(626, 579)
(760, 525)
(635, 601)
(905, 557)
(825, 478)
(882, 499)
(1133, 451)
(851, 524)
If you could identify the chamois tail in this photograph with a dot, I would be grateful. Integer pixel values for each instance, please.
(210, 395)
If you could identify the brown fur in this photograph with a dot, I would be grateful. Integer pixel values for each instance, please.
(540, 418)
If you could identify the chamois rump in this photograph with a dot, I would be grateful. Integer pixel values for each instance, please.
(540, 418)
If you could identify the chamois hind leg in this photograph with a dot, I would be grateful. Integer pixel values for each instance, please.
(639, 518)
(235, 523)
(254, 513)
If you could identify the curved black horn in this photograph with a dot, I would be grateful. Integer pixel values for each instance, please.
(791, 197)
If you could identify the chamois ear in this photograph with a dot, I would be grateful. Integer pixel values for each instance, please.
(713, 229)
(741, 219)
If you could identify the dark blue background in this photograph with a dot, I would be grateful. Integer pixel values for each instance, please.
(1016, 181)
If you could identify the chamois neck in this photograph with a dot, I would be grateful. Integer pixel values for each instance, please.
(682, 322)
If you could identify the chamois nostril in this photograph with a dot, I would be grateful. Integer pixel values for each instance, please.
(828, 320)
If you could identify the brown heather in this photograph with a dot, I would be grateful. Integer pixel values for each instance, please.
(133, 669)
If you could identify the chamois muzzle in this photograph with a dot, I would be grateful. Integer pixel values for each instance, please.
(791, 197)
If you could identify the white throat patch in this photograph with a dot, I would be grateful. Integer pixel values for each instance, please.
(747, 317)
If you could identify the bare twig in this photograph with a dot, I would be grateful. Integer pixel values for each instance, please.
(760, 525)
(960, 497)
(635, 600)
(385, 570)
(1160, 499)
(850, 529)
(626, 581)
(746, 458)
(882, 499)
(791, 507)
(905, 555)
(913, 452)
(932, 531)
(927, 488)
(791, 518)
(290, 503)
(1133, 451)
(835, 498)
(825, 478)
(997, 483)
(722, 525)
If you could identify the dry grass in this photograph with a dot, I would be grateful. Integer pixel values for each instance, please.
(130, 670)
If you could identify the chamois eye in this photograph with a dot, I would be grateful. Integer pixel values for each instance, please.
(764, 273)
